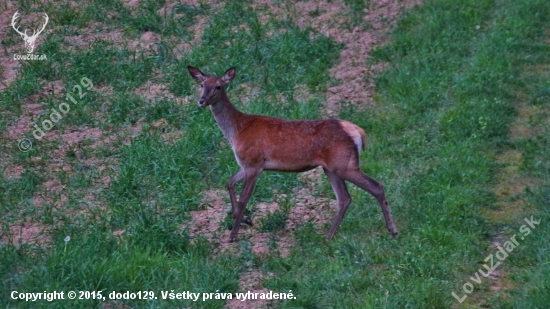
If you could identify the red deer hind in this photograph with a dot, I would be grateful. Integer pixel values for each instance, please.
(263, 143)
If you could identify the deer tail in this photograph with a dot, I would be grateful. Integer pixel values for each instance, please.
(356, 133)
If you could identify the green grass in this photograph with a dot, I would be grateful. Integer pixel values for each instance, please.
(442, 116)
(444, 110)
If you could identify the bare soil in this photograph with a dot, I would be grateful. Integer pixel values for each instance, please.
(355, 78)
(26, 232)
(354, 85)
(250, 281)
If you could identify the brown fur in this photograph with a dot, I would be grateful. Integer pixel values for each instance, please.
(291, 146)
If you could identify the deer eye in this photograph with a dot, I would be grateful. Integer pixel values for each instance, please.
(218, 87)
(201, 85)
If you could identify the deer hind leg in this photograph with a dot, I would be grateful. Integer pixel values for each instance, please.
(376, 189)
(343, 198)
(250, 177)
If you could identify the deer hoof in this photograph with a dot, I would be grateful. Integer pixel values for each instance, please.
(248, 221)
(232, 237)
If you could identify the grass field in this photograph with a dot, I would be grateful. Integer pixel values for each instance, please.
(457, 122)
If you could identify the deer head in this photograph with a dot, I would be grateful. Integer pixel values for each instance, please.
(212, 87)
(29, 40)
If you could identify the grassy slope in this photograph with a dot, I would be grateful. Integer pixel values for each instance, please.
(444, 110)
(442, 117)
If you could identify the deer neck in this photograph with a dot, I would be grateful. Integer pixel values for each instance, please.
(226, 116)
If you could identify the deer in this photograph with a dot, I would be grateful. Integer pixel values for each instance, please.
(262, 143)
(29, 40)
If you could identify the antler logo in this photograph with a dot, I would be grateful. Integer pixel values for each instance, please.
(29, 40)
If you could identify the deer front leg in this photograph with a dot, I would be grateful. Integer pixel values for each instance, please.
(250, 177)
(231, 182)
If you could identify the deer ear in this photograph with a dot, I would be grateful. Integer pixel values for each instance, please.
(196, 73)
(229, 75)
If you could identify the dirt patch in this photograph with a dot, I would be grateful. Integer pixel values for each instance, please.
(131, 4)
(8, 9)
(312, 179)
(248, 93)
(147, 41)
(117, 305)
(74, 135)
(8, 72)
(95, 32)
(529, 122)
(71, 156)
(168, 137)
(509, 189)
(207, 222)
(268, 9)
(499, 282)
(181, 49)
(301, 94)
(154, 92)
(54, 87)
(196, 30)
(53, 193)
(531, 119)
(72, 139)
(356, 83)
(510, 206)
(285, 245)
(355, 78)
(169, 6)
(250, 282)
(29, 114)
(511, 182)
(306, 207)
(309, 208)
(19, 233)
(13, 172)
(119, 232)
(262, 243)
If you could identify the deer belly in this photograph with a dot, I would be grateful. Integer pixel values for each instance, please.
(289, 165)
(280, 158)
